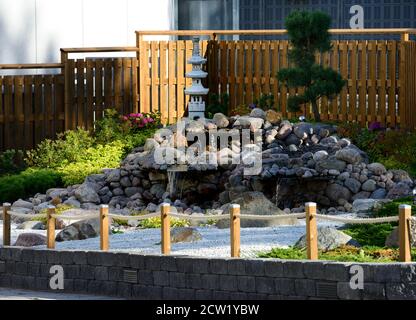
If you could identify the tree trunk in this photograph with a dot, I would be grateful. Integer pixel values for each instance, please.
(315, 111)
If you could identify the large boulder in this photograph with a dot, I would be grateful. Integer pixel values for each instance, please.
(330, 164)
(80, 230)
(273, 117)
(249, 123)
(30, 240)
(179, 235)
(221, 121)
(258, 113)
(377, 168)
(335, 192)
(400, 190)
(22, 204)
(87, 194)
(367, 205)
(349, 155)
(328, 239)
(255, 203)
(392, 240)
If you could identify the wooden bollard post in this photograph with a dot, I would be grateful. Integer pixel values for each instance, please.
(235, 230)
(104, 226)
(6, 224)
(311, 231)
(51, 224)
(405, 214)
(165, 230)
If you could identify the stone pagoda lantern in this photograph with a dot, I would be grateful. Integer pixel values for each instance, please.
(196, 106)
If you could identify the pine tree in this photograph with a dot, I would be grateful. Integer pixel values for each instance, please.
(308, 34)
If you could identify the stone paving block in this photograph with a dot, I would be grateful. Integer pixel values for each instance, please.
(147, 292)
(152, 263)
(238, 296)
(201, 266)
(40, 256)
(33, 269)
(27, 256)
(273, 269)
(80, 285)
(203, 295)
(124, 290)
(94, 258)
(236, 267)
(246, 284)
(220, 295)
(21, 268)
(293, 269)
(161, 278)
(228, 283)
(2, 267)
(101, 273)
(80, 257)
(210, 281)
(170, 293)
(137, 261)
(256, 296)
(314, 270)
(254, 268)
(218, 266)
(42, 283)
(337, 272)
(387, 273)
(66, 257)
(285, 287)
(115, 274)
(185, 265)
(145, 277)
(193, 281)
(72, 271)
(345, 292)
(265, 285)
(374, 291)
(87, 272)
(305, 287)
(122, 259)
(168, 263)
(401, 291)
(177, 280)
(52, 257)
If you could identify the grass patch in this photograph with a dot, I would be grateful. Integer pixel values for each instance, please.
(342, 254)
(59, 209)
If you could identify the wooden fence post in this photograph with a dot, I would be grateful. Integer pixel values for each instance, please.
(235, 230)
(104, 225)
(405, 213)
(165, 219)
(51, 224)
(311, 231)
(6, 224)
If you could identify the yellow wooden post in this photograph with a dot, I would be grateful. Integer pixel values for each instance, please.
(51, 224)
(6, 224)
(164, 215)
(405, 37)
(405, 213)
(235, 230)
(311, 231)
(104, 226)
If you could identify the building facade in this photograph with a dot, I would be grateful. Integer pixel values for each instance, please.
(270, 14)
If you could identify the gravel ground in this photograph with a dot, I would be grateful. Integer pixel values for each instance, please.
(16, 294)
(214, 243)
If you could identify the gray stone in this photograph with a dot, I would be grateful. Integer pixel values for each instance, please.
(255, 203)
(349, 155)
(30, 240)
(367, 205)
(31, 225)
(377, 169)
(292, 139)
(353, 185)
(379, 194)
(258, 113)
(328, 239)
(330, 164)
(221, 121)
(151, 145)
(249, 122)
(22, 204)
(85, 193)
(335, 192)
(400, 190)
(369, 186)
(113, 175)
(320, 155)
(179, 235)
(284, 131)
(392, 240)
(80, 230)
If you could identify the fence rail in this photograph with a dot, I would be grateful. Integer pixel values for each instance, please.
(381, 79)
(404, 218)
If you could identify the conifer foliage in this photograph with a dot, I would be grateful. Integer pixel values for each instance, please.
(308, 34)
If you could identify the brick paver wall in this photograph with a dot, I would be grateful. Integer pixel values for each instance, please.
(136, 276)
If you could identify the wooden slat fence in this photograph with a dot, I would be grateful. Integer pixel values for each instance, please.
(381, 78)
(31, 109)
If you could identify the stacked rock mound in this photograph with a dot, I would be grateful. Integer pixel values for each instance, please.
(300, 162)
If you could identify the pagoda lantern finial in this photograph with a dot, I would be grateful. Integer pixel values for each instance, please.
(196, 106)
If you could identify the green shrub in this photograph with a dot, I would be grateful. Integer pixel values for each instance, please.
(67, 148)
(155, 223)
(370, 234)
(27, 183)
(342, 254)
(11, 162)
(218, 104)
(59, 209)
(392, 208)
(92, 161)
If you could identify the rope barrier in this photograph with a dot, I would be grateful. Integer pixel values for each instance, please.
(358, 221)
(78, 217)
(24, 215)
(200, 217)
(274, 217)
(137, 218)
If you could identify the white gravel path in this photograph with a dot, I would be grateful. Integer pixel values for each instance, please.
(214, 243)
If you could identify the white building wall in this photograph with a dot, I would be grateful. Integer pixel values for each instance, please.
(33, 31)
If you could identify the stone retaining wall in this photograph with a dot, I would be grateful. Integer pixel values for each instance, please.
(170, 277)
